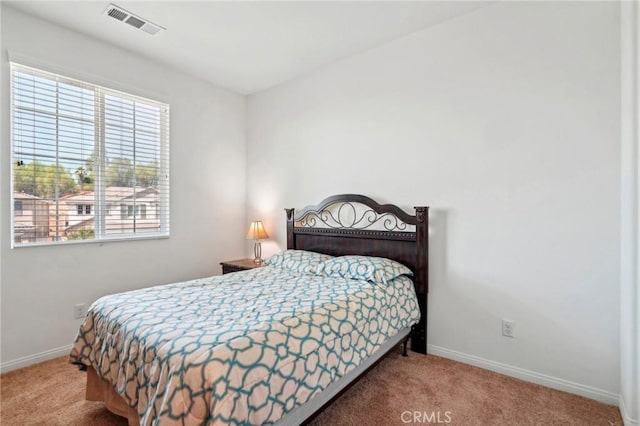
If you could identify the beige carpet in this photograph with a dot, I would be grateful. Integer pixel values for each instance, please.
(52, 393)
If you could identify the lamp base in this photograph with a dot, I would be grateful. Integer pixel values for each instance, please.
(257, 253)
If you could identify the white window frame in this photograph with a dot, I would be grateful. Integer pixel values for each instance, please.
(100, 236)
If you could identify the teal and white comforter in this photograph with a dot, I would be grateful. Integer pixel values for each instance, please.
(242, 348)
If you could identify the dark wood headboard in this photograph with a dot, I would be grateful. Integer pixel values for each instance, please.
(356, 224)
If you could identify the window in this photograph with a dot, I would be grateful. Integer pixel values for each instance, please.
(79, 148)
(84, 208)
(139, 211)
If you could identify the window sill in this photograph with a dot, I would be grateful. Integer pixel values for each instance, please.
(94, 241)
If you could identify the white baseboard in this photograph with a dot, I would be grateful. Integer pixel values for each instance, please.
(529, 376)
(28, 360)
(626, 418)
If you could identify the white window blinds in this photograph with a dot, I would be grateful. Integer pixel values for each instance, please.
(89, 163)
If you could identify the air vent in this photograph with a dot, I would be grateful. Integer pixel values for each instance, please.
(135, 22)
(116, 12)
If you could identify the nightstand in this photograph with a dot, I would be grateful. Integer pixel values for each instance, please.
(239, 265)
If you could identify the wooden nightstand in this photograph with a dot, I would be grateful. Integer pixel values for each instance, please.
(239, 265)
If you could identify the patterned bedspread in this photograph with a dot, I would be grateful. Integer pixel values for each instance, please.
(242, 348)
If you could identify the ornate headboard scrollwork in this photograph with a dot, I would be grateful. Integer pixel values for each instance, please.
(356, 224)
(356, 215)
(359, 213)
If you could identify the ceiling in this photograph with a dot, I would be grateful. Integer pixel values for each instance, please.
(250, 46)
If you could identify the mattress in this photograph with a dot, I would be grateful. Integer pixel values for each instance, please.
(242, 348)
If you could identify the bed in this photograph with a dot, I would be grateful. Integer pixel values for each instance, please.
(272, 345)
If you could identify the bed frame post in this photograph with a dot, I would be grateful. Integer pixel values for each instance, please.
(291, 244)
(419, 333)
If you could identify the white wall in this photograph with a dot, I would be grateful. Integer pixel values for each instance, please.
(506, 122)
(629, 231)
(40, 285)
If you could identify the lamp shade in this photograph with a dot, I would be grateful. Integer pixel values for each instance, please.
(256, 231)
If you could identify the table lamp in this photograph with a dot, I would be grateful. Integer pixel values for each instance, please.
(257, 232)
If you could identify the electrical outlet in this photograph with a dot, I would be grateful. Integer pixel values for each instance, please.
(80, 311)
(507, 327)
